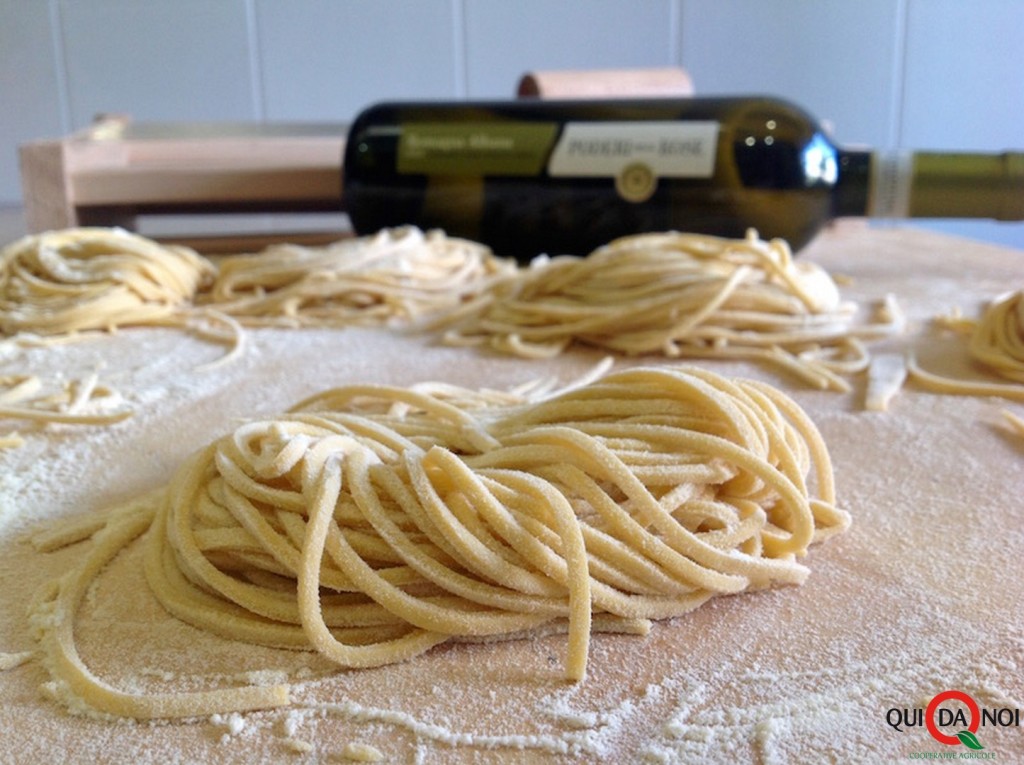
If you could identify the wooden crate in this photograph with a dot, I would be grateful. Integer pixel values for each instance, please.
(115, 171)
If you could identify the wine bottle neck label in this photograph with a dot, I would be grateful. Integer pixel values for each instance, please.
(891, 175)
(667, 149)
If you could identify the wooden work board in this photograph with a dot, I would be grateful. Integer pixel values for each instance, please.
(922, 595)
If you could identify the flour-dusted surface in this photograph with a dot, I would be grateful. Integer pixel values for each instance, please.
(924, 593)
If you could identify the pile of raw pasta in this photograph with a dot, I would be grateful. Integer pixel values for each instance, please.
(669, 294)
(371, 523)
(682, 295)
(995, 342)
(64, 286)
(672, 294)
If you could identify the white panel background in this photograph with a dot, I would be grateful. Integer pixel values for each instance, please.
(504, 39)
(325, 60)
(887, 73)
(186, 59)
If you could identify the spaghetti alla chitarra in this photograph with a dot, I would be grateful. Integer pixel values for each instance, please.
(393, 277)
(672, 294)
(82, 279)
(61, 286)
(59, 283)
(996, 342)
(681, 295)
(371, 523)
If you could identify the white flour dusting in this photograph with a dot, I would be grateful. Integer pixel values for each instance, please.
(923, 594)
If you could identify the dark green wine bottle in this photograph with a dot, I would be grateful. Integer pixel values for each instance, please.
(530, 176)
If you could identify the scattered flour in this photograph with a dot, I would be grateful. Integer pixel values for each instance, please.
(922, 595)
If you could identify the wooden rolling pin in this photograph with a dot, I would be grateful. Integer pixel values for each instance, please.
(605, 83)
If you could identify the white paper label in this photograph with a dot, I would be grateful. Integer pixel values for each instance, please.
(889, 196)
(669, 149)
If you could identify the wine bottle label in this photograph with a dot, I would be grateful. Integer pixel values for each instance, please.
(889, 196)
(471, 148)
(636, 154)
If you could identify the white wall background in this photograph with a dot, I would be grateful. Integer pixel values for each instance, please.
(935, 74)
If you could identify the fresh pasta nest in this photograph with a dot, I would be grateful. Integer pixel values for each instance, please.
(675, 294)
(997, 339)
(395, 275)
(371, 523)
(681, 295)
(61, 282)
(996, 342)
